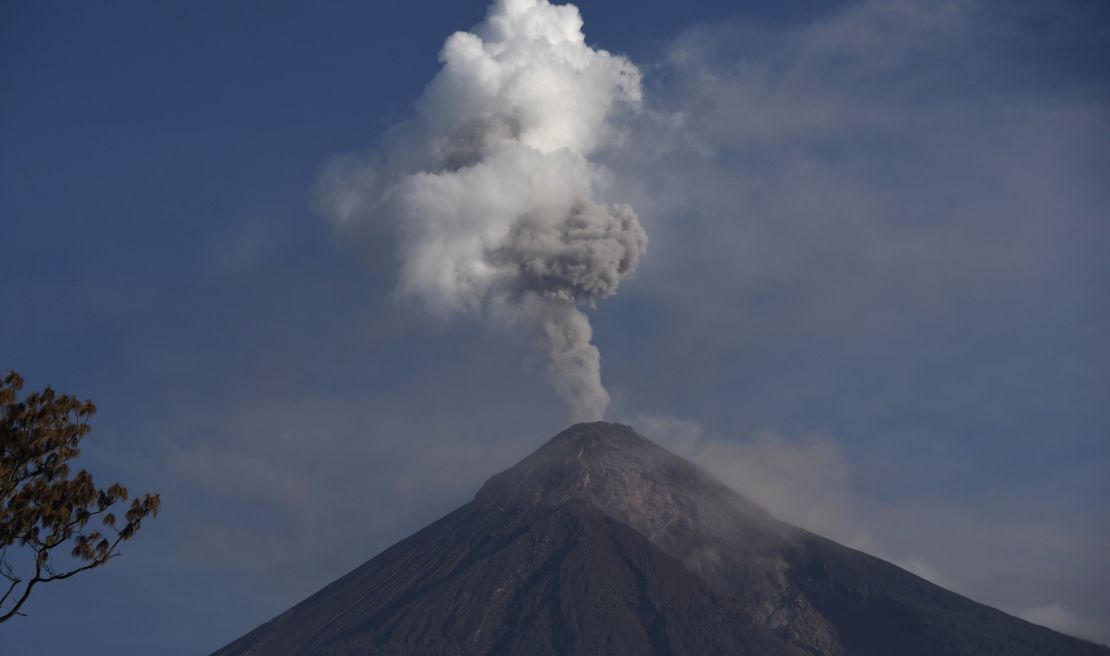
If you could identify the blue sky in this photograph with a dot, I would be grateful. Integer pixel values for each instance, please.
(877, 268)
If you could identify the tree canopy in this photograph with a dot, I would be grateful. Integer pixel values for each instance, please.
(53, 526)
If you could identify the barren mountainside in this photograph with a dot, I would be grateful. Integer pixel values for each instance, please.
(603, 543)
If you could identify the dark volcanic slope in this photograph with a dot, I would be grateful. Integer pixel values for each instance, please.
(603, 543)
(569, 581)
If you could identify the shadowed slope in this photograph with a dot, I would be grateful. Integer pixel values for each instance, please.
(568, 581)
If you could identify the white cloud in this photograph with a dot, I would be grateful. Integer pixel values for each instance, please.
(801, 481)
(490, 191)
(1054, 616)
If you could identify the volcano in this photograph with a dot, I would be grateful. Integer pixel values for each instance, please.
(603, 543)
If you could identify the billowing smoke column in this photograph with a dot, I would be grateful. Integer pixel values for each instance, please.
(490, 193)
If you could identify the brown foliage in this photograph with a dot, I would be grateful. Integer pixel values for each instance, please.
(42, 509)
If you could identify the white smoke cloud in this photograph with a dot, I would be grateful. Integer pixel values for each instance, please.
(489, 192)
(804, 481)
(1054, 616)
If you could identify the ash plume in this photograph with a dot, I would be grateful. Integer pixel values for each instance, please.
(489, 193)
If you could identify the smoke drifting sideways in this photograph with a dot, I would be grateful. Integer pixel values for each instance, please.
(489, 194)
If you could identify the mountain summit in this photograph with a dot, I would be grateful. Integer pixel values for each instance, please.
(603, 543)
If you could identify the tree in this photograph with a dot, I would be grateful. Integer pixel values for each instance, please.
(43, 512)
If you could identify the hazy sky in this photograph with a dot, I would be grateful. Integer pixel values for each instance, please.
(875, 297)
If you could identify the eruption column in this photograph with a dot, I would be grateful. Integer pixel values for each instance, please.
(489, 192)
